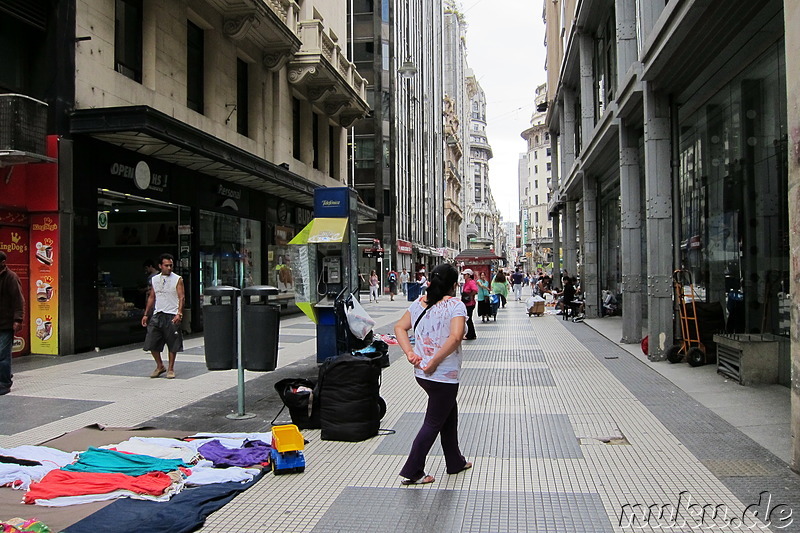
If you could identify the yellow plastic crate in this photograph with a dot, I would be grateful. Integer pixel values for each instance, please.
(287, 438)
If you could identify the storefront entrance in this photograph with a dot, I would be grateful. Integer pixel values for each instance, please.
(135, 232)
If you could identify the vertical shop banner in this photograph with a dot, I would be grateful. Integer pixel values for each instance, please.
(14, 242)
(44, 257)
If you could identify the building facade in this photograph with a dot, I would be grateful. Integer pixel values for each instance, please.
(196, 128)
(535, 190)
(371, 138)
(481, 214)
(671, 120)
(457, 112)
(419, 187)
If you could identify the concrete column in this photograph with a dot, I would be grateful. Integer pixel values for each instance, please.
(567, 133)
(627, 51)
(631, 207)
(791, 13)
(268, 119)
(649, 11)
(590, 257)
(570, 239)
(556, 246)
(658, 193)
(587, 87)
(556, 158)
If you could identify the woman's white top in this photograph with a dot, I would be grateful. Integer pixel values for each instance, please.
(432, 332)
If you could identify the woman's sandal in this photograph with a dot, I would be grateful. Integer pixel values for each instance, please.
(467, 466)
(424, 480)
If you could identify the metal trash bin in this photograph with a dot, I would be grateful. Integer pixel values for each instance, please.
(220, 327)
(413, 291)
(260, 328)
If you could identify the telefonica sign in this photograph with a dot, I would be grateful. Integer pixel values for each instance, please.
(331, 202)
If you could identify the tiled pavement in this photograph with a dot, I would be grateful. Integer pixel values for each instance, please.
(568, 432)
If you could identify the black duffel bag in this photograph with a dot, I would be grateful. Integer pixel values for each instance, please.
(303, 405)
(349, 397)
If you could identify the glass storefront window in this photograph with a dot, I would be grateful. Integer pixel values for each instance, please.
(733, 196)
(230, 250)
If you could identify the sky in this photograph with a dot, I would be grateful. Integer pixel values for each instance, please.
(505, 49)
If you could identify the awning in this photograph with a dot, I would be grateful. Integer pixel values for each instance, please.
(322, 230)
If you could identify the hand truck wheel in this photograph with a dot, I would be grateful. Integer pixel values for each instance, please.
(673, 354)
(696, 357)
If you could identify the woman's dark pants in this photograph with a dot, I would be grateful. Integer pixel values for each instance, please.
(441, 417)
(470, 324)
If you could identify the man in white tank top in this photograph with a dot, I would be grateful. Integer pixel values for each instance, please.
(163, 316)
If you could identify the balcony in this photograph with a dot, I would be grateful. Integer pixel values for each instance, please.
(23, 130)
(453, 209)
(323, 74)
(267, 23)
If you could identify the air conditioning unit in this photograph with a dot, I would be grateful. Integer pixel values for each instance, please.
(23, 124)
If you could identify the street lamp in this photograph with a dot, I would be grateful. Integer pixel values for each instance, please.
(407, 71)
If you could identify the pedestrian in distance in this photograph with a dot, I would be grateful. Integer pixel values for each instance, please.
(404, 278)
(468, 293)
(517, 278)
(438, 320)
(12, 308)
(374, 286)
(163, 316)
(423, 282)
(500, 286)
(392, 284)
(484, 306)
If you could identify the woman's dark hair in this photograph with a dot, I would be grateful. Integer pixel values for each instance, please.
(500, 276)
(443, 278)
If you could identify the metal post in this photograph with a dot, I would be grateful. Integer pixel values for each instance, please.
(240, 415)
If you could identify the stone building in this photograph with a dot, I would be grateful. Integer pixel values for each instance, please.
(481, 213)
(673, 151)
(535, 189)
(196, 127)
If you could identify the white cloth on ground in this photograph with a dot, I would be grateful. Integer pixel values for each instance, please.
(142, 446)
(20, 477)
(204, 473)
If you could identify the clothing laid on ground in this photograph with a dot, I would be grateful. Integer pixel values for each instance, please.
(64, 483)
(185, 512)
(252, 453)
(109, 461)
(154, 450)
(432, 332)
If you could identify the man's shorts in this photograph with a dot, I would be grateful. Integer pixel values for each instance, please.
(161, 331)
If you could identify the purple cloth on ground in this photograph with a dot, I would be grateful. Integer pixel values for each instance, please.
(251, 453)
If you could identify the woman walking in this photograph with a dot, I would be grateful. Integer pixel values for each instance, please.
(468, 292)
(374, 286)
(438, 320)
(500, 286)
(484, 307)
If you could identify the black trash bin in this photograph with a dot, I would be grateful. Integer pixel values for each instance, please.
(219, 327)
(413, 291)
(260, 327)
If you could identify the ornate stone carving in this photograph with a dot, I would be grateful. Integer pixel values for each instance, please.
(275, 57)
(348, 117)
(237, 28)
(334, 105)
(318, 90)
(302, 74)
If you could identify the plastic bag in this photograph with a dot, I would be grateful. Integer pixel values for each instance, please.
(358, 320)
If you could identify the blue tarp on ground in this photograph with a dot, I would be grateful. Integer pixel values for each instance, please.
(185, 512)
